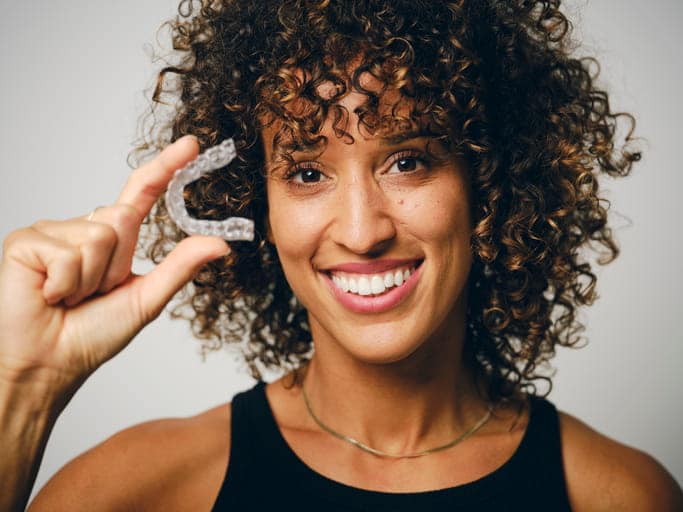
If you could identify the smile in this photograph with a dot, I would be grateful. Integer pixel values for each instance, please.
(371, 284)
(373, 287)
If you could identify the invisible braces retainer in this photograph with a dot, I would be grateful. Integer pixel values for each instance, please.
(232, 228)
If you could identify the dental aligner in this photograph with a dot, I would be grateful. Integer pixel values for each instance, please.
(232, 228)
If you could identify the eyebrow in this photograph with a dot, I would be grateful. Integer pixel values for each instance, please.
(385, 140)
(296, 147)
(397, 138)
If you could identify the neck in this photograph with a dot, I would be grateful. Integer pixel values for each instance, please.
(407, 406)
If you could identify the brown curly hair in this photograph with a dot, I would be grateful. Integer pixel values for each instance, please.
(494, 79)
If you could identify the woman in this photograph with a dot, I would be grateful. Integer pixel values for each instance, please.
(421, 177)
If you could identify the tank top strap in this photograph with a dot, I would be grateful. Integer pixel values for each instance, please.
(541, 458)
(245, 473)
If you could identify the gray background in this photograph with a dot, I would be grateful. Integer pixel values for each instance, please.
(73, 74)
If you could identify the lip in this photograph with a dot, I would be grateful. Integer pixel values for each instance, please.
(373, 304)
(372, 267)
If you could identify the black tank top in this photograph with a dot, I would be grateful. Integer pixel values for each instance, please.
(265, 474)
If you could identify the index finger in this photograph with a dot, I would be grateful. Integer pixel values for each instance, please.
(149, 181)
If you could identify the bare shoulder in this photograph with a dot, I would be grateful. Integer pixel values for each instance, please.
(167, 464)
(603, 474)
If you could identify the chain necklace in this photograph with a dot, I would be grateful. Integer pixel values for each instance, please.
(482, 421)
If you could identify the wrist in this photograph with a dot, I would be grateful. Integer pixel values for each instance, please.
(29, 407)
(36, 393)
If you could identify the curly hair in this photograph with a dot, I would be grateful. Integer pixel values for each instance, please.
(494, 79)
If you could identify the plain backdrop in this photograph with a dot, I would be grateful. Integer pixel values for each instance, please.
(73, 75)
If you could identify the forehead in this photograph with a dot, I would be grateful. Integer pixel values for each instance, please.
(302, 106)
(303, 124)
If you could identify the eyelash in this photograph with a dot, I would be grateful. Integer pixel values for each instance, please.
(421, 159)
(410, 155)
(297, 169)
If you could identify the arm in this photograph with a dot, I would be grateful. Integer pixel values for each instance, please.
(69, 302)
(25, 425)
(603, 474)
(170, 464)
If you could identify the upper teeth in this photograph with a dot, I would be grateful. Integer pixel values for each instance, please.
(371, 284)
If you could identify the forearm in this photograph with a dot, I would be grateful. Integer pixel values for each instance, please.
(27, 414)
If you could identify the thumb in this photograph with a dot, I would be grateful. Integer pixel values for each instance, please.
(157, 288)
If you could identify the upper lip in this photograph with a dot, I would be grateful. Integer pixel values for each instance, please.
(371, 267)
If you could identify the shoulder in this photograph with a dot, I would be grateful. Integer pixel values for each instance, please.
(603, 474)
(168, 464)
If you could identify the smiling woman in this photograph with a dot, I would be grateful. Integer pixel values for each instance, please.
(365, 220)
(421, 176)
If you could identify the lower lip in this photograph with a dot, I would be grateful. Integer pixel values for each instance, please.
(375, 303)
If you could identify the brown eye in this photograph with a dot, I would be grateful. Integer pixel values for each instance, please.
(301, 175)
(310, 175)
(406, 164)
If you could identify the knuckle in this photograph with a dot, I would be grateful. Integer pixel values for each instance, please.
(42, 224)
(101, 232)
(14, 239)
(11, 239)
(141, 181)
(145, 313)
(125, 216)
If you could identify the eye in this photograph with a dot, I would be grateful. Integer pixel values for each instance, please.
(406, 163)
(300, 175)
(308, 175)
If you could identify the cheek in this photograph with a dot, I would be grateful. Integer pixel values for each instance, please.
(293, 229)
(441, 216)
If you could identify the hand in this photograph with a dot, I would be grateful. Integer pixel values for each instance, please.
(68, 299)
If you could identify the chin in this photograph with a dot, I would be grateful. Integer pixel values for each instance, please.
(377, 344)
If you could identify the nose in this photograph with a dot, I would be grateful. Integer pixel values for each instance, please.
(362, 221)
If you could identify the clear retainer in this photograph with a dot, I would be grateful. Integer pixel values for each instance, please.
(232, 228)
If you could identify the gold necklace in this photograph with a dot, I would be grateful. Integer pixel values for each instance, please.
(482, 421)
